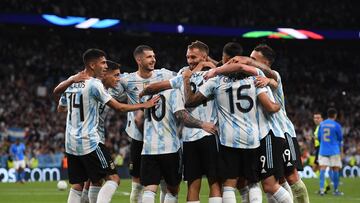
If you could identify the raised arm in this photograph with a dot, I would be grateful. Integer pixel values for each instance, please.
(191, 122)
(191, 99)
(155, 88)
(80, 76)
(132, 107)
(268, 105)
(231, 68)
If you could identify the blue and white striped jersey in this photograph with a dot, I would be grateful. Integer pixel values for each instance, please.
(269, 121)
(237, 110)
(160, 124)
(284, 120)
(204, 112)
(133, 84)
(83, 100)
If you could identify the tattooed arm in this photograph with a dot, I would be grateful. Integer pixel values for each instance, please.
(191, 122)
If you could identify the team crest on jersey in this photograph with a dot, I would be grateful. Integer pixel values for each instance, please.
(145, 84)
(131, 166)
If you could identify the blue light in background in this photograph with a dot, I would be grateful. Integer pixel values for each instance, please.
(105, 23)
(69, 20)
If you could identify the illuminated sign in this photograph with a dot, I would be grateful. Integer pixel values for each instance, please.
(180, 29)
(284, 33)
(81, 22)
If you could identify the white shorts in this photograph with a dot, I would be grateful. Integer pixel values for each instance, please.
(18, 164)
(332, 161)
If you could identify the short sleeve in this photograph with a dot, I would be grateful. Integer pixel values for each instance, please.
(118, 92)
(208, 88)
(177, 101)
(63, 100)
(176, 82)
(98, 91)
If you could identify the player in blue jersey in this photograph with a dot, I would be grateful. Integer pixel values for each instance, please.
(330, 138)
(87, 156)
(17, 153)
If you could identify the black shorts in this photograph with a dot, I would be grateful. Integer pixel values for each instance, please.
(94, 166)
(270, 156)
(235, 162)
(200, 158)
(316, 161)
(291, 155)
(135, 157)
(156, 167)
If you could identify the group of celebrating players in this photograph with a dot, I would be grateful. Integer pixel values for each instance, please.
(224, 120)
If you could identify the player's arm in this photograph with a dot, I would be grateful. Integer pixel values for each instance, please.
(60, 88)
(266, 69)
(268, 105)
(139, 120)
(191, 122)
(61, 109)
(132, 107)
(155, 88)
(228, 68)
(262, 81)
(191, 99)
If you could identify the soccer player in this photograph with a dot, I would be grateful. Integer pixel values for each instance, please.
(87, 156)
(317, 117)
(161, 151)
(291, 155)
(17, 152)
(200, 148)
(133, 84)
(238, 114)
(110, 80)
(263, 57)
(330, 138)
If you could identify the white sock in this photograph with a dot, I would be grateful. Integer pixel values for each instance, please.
(163, 190)
(287, 187)
(148, 197)
(193, 201)
(136, 192)
(244, 192)
(215, 200)
(229, 195)
(107, 191)
(270, 198)
(255, 194)
(74, 196)
(282, 196)
(93, 193)
(169, 198)
(84, 196)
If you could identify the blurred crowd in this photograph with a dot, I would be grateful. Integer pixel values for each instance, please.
(30, 67)
(310, 14)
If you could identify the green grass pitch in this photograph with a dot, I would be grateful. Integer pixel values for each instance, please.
(46, 192)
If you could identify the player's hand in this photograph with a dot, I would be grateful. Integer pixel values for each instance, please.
(187, 73)
(261, 81)
(240, 59)
(80, 76)
(210, 74)
(152, 102)
(210, 128)
(204, 64)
